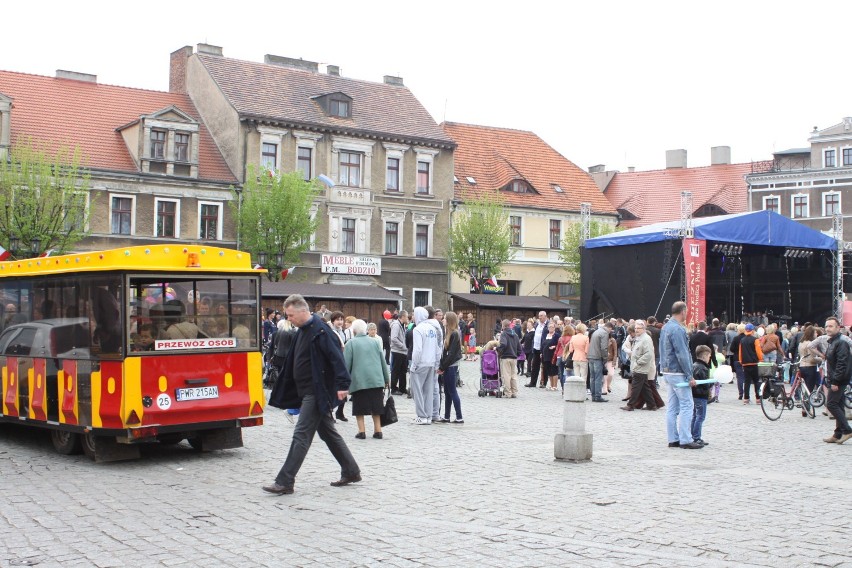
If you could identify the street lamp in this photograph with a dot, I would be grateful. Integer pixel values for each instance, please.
(16, 250)
(479, 275)
(274, 268)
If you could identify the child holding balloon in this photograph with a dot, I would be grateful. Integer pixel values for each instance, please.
(700, 392)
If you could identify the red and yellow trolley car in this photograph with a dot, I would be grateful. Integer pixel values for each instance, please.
(117, 348)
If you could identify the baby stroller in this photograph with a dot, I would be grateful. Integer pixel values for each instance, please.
(490, 367)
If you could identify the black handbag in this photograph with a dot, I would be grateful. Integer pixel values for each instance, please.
(389, 415)
(569, 362)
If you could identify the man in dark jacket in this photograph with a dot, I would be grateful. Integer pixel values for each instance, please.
(383, 330)
(314, 378)
(837, 359)
(508, 349)
(701, 337)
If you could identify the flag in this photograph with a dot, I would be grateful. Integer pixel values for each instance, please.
(4, 254)
(46, 253)
(287, 272)
(257, 267)
(492, 281)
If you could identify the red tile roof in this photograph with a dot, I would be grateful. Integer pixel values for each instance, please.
(286, 94)
(496, 156)
(654, 196)
(64, 112)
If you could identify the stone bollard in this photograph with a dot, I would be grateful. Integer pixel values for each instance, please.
(574, 443)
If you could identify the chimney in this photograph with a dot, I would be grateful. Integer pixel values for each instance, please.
(675, 159)
(208, 49)
(76, 76)
(631, 169)
(333, 70)
(391, 80)
(720, 155)
(177, 69)
(597, 169)
(291, 62)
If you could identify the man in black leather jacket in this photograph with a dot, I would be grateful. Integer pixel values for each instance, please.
(837, 358)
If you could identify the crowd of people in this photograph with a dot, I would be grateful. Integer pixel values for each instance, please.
(418, 356)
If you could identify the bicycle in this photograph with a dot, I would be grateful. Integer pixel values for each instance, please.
(774, 398)
(818, 396)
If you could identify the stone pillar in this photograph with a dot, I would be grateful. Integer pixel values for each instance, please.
(574, 443)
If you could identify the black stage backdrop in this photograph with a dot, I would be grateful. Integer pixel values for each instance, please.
(631, 281)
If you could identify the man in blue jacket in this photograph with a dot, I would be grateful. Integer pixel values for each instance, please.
(314, 379)
(676, 364)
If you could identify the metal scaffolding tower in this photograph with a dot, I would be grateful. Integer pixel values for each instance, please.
(687, 231)
(585, 222)
(839, 296)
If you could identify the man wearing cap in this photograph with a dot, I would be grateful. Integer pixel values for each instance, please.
(749, 356)
(676, 363)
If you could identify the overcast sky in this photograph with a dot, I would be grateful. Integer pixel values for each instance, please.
(614, 83)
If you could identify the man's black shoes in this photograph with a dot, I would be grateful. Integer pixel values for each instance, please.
(345, 480)
(674, 444)
(278, 489)
(691, 446)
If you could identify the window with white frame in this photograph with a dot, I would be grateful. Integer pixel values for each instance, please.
(555, 233)
(392, 176)
(829, 158)
(168, 218)
(347, 229)
(800, 206)
(425, 171)
(209, 221)
(830, 204)
(421, 240)
(847, 156)
(350, 169)
(515, 224)
(398, 291)
(304, 162)
(422, 297)
(772, 203)
(269, 155)
(122, 214)
(391, 238)
(424, 178)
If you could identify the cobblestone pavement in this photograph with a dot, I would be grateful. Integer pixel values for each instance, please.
(484, 493)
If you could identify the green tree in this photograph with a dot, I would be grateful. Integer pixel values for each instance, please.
(569, 254)
(480, 235)
(273, 213)
(43, 197)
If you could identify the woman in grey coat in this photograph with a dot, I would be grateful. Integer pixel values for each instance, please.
(370, 375)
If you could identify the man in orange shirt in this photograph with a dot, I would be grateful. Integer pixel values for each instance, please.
(750, 355)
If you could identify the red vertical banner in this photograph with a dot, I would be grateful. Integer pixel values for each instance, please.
(695, 261)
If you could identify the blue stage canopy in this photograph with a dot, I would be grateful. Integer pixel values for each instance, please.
(756, 228)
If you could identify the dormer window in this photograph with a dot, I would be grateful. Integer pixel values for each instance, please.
(158, 144)
(181, 147)
(338, 105)
(519, 186)
(341, 108)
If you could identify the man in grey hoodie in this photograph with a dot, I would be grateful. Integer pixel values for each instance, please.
(425, 358)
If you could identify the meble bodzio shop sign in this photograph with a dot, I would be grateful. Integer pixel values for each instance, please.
(366, 265)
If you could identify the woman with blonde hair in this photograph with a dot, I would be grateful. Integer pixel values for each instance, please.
(449, 368)
(579, 347)
(370, 375)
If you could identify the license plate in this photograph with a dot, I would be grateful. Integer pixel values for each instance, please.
(196, 393)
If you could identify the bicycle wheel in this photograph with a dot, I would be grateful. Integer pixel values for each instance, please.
(847, 397)
(772, 403)
(817, 397)
(803, 395)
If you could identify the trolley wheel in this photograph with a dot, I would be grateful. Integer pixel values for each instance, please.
(772, 405)
(817, 398)
(106, 449)
(195, 442)
(90, 443)
(498, 394)
(170, 439)
(66, 443)
(481, 392)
